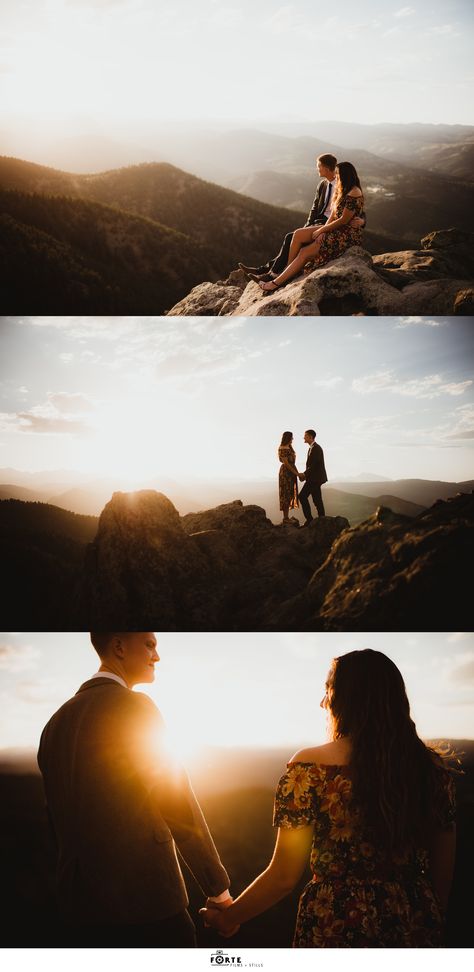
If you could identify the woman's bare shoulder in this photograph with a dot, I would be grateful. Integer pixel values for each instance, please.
(334, 753)
(355, 191)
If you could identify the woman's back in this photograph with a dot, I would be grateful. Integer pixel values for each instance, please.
(361, 894)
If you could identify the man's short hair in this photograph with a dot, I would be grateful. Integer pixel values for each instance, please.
(328, 160)
(101, 640)
(311, 432)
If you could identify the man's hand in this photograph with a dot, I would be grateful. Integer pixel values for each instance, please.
(357, 223)
(301, 476)
(214, 916)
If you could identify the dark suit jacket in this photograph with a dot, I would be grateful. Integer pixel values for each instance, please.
(119, 809)
(318, 207)
(315, 468)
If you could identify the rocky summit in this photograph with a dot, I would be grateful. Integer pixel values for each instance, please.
(436, 279)
(231, 569)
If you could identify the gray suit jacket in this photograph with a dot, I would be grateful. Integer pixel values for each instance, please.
(119, 809)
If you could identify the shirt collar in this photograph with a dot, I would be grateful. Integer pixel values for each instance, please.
(116, 678)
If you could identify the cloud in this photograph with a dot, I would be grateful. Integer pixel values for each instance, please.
(424, 321)
(18, 658)
(70, 402)
(61, 414)
(328, 382)
(444, 30)
(464, 423)
(405, 12)
(463, 670)
(430, 386)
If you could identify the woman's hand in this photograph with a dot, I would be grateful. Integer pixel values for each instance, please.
(219, 918)
(317, 232)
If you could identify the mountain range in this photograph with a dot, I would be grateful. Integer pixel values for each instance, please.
(138, 239)
(355, 499)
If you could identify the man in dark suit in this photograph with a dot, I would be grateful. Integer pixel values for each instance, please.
(313, 477)
(319, 213)
(119, 809)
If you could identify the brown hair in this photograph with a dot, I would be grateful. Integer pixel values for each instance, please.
(101, 640)
(347, 178)
(395, 776)
(328, 160)
(286, 438)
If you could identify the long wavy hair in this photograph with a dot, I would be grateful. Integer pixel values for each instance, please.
(346, 179)
(395, 776)
(286, 438)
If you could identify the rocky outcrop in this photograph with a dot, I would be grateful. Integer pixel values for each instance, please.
(393, 573)
(216, 570)
(231, 569)
(436, 279)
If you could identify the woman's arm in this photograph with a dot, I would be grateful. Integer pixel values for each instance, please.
(333, 223)
(290, 466)
(291, 854)
(442, 853)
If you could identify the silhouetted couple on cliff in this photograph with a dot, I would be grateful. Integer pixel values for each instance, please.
(314, 476)
(334, 223)
(372, 810)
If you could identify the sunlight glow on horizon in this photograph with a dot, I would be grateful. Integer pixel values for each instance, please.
(130, 399)
(239, 690)
(76, 67)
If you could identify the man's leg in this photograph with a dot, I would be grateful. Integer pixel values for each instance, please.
(281, 260)
(303, 498)
(318, 500)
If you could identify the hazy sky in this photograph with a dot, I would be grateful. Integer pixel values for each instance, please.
(259, 689)
(79, 65)
(134, 398)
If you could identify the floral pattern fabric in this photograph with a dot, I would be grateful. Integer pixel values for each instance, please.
(287, 482)
(359, 896)
(335, 242)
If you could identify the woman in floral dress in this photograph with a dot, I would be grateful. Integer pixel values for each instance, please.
(373, 810)
(314, 247)
(288, 476)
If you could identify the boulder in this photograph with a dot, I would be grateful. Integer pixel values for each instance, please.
(425, 281)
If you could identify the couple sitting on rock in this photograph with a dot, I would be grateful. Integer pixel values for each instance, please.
(337, 213)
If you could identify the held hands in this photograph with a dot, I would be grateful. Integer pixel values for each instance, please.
(302, 476)
(317, 232)
(357, 222)
(216, 915)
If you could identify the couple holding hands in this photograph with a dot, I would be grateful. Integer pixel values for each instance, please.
(371, 812)
(313, 477)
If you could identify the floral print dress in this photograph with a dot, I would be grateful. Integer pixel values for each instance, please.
(337, 241)
(359, 896)
(287, 482)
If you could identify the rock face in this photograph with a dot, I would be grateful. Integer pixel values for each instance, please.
(437, 279)
(217, 570)
(231, 569)
(393, 573)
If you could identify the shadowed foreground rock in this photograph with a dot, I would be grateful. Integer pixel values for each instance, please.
(223, 569)
(436, 279)
(393, 573)
(230, 568)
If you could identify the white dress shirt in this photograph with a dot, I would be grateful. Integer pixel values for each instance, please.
(116, 678)
(328, 207)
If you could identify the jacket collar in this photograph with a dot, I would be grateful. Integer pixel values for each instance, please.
(99, 683)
